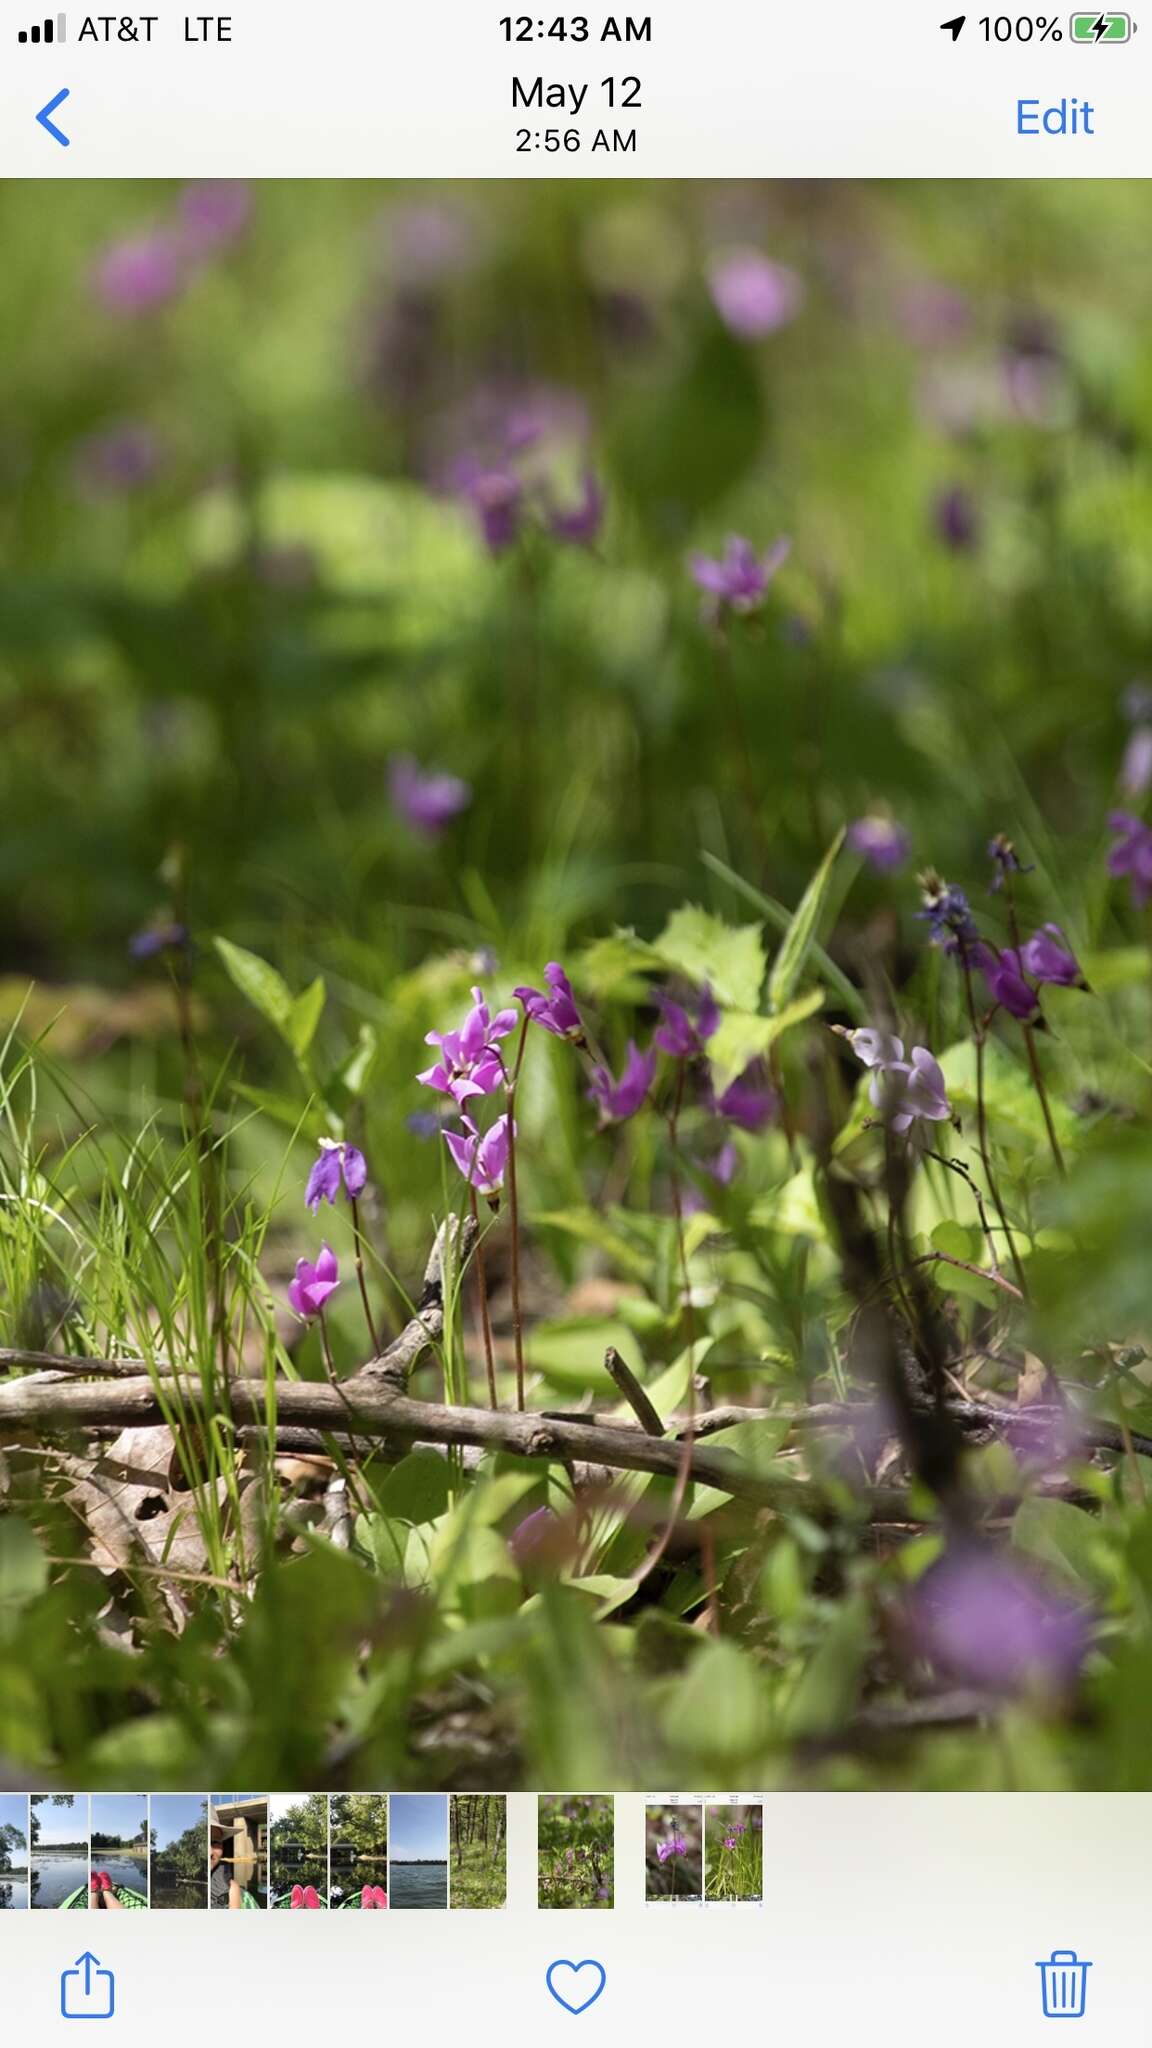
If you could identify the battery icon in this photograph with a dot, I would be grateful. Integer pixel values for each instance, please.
(1101, 28)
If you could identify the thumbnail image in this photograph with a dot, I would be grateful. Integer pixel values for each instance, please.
(575, 1851)
(358, 1860)
(118, 1864)
(674, 1854)
(733, 1854)
(238, 1850)
(299, 1850)
(478, 1848)
(58, 1844)
(179, 1822)
(418, 1850)
(13, 1850)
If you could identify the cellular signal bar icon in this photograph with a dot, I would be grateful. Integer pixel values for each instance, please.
(50, 31)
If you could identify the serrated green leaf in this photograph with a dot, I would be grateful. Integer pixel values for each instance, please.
(792, 958)
(780, 917)
(729, 958)
(742, 1038)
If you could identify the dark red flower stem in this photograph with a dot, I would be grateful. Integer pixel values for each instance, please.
(485, 1317)
(358, 1240)
(982, 1123)
(514, 1218)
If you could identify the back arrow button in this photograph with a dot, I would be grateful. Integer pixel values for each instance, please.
(45, 120)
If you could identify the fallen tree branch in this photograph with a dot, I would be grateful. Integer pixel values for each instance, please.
(375, 1411)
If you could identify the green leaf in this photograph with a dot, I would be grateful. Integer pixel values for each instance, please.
(830, 1684)
(780, 918)
(264, 988)
(304, 1016)
(591, 1228)
(719, 1711)
(569, 1351)
(1063, 1538)
(792, 958)
(1014, 1112)
(743, 1038)
(23, 1565)
(418, 1489)
(385, 1542)
(348, 1080)
(730, 958)
(614, 965)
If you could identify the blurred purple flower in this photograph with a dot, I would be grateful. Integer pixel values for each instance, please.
(956, 519)
(1047, 957)
(750, 1101)
(1136, 767)
(423, 1123)
(681, 1036)
(1006, 861)
(674, 1846)
(122, 457)
(555, 1011)
(158, 938)
(337, 1166)
(469, 1063)
(991, 1623)
(1132, 855)
(618, 1100)
(578, 522)
(426, 801)
(495, 495)
(428, 242)
(143, 272)
(738, 579)
(314, 1283)
(214, 213)
(481, 1159)
(880, 841)
(754, 296)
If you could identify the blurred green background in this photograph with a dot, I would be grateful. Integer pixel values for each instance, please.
(240, 573)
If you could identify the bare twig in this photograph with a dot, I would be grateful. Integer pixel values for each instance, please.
(623, 1377)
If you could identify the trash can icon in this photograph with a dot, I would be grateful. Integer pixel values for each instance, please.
(1064, 1985)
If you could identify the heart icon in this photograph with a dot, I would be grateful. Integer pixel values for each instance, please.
(576, 1986)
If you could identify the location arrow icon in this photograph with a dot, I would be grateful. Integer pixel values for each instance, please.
(45, 119)
(954, 27)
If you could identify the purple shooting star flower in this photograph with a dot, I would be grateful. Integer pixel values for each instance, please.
(142, 273)
(482, 1159)
(469, 1063)
(577, 522)
(682, 1036)
(754, 296)
(750, 1101)
(314, 1283)
(990, 1623)
(619, 1100)
(426, 801)
(556, 1010)
(337, 1166)
(1004, 974)
(880, 841)
(1132, 855)
(737, 580)
(1047, 957)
